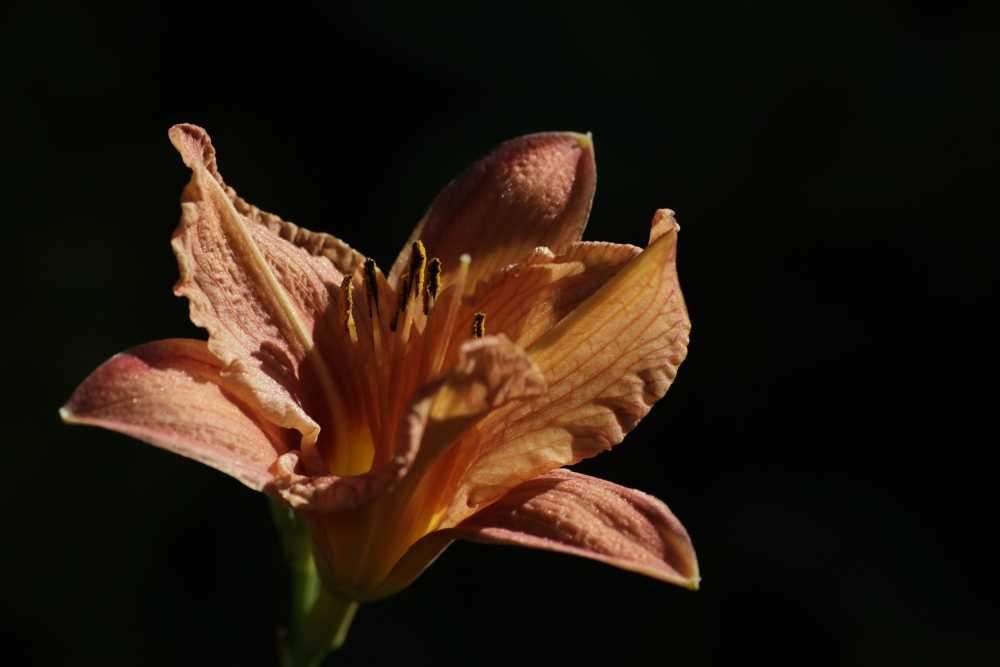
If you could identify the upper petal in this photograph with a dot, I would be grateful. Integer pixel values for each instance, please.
(528, 300)
(171, 394)
(606, 363)
(263, 289)
(195, 147)
(532, 191)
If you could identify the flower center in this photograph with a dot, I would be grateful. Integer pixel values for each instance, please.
(393, 356)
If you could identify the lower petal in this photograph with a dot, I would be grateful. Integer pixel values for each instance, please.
(571, 513)
(170, 394)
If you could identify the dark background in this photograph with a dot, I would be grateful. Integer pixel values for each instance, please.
(833, 167)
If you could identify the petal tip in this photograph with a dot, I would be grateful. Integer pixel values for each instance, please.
(664, 222)
(193, 143)
(584, 141)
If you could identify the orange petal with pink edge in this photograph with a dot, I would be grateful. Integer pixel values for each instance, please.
(171, 394)
(606, 363)
(195, 147)
(567, 512)
(572, 513)
(532, 191)
(265, 302)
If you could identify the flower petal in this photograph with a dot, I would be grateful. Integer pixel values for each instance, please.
(195, 146)
(266, 302)
(333, 493)
(171, 394)
(606, 363)
(572, 513)
(491, 372)
(532, 191)
(567, 512)
(526, 300)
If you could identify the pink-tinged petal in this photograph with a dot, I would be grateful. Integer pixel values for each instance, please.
(571, 513)
(530, 192)
(606, 363)
(264, 301)
(331, 493)
(196, 146)
(171, 394)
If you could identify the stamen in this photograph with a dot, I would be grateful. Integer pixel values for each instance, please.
(418, 262)
(479, 325)
(431, 289)
(371, 288)
(357, 371)
(347, 303)
(433, 285)
(449, 323)
(402, 297)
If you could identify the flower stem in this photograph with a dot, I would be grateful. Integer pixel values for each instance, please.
(326, 626)
(318, 621)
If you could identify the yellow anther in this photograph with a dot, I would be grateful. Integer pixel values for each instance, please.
(347, 302)
(418, 262)
(433, 285)
(371, 288)
(479, 325)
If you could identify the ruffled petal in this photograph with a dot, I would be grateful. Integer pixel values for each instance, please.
(606, 364)
(332, 493)
(171, 394)
(532, 191)
(269, 304)
(195, 144)
(572, 513)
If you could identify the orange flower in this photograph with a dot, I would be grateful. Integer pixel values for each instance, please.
(398, 413)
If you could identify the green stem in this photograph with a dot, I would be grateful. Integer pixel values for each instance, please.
(318, 621)
(326, 627)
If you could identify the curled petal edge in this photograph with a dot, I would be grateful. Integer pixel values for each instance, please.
(195, 147)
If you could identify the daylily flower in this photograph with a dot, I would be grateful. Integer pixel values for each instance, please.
(400, 412)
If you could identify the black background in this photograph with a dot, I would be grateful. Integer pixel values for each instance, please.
(833, 167)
